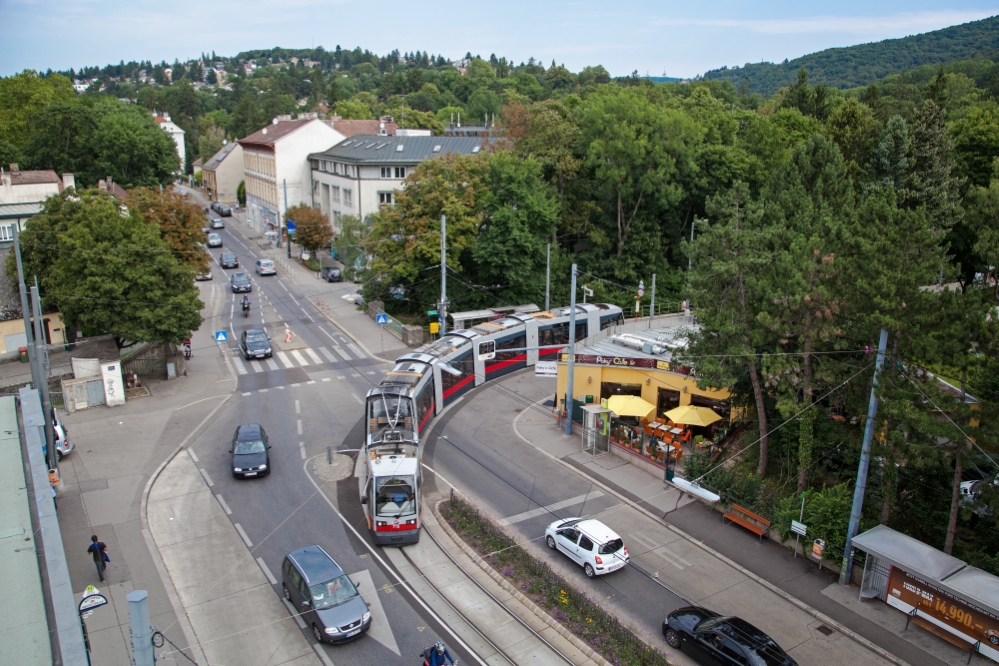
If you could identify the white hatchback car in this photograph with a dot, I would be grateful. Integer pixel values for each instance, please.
(589, 543)
(265, 267)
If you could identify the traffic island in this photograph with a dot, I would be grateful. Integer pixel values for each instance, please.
(548, 594)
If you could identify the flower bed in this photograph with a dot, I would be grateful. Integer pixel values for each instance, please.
(568, 605)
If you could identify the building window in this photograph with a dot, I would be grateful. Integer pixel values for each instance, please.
(400, 172)
(384, 198)
(7, 232)
(348, 197)
(386, 172)
(336, 193)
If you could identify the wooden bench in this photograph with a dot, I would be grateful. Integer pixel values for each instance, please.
(940, 632)
(758, 525)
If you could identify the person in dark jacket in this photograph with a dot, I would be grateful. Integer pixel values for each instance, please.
(99, 551)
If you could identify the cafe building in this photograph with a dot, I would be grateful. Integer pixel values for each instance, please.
(632, 399)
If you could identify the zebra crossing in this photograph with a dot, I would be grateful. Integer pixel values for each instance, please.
(294, 358)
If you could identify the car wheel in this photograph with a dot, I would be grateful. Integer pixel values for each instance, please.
(994, 639)
(673, 639)
(58, 455)
(287, 594)
(588, 570)
(551, 542)
(318, 634)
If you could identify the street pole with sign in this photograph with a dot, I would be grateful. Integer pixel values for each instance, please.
(569, 388)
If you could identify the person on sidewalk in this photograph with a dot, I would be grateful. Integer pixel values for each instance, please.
(99, 551)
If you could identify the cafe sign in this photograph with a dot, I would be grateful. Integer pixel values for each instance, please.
(617, 361)
(907, 592)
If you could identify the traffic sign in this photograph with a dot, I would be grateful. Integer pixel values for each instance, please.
(92, 601)
(431, 313)
(381, 319)
(291, 226)
(799, 528)
(221, 336)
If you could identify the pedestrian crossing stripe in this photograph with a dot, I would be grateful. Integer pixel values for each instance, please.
(295, 358)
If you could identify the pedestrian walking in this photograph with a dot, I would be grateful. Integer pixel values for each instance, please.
(99, 551)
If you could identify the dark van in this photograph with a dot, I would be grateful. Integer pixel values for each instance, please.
(328, 601)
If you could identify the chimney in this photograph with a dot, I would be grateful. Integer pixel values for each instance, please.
(102, 185)
(14, 170)
(68, 180)
(381, 129)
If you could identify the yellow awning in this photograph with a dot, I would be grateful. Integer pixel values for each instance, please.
(691, 415)
(629, 405)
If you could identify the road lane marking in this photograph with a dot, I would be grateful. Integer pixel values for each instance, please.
(292, 298)
(321, 653)
(240, 368)
(225, 506)
(340, 377)
(295, 384)
(326, 352)
(381, 627)
(357, 398)
(354, 349)
(298, 357)
(354, 374)
(342, 353)
(370, 372)
(248, 393)
(551, 508)
(659, 550)
(279, 388)
(298, 617)
(311, 381)
(298, 407)
(272, 364)
(301, 449)
(263, 390)
(327, 379)
(267, 571)
(314, 356)
(299, 426)
(284, 359)
(242, 534)
(190, 452)
(207, 478)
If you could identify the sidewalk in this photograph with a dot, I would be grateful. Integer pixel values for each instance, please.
(793, 582)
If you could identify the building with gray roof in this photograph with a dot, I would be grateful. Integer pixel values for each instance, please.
(362, 173)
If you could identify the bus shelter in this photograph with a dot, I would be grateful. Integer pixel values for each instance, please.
(940, 593)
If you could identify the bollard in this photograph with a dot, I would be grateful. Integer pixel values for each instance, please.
(329, 455)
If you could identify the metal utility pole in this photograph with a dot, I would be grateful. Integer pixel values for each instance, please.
(43, 383)
(28, 336)
(865, 461)
(690, 261)
(652, 306)
(287, 231)
(572, 355)
(139, 629)
(548, 276)
(443, 304)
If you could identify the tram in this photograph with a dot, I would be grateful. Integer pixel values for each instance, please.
(424, 382)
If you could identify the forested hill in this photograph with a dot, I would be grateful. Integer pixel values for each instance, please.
(859, 65)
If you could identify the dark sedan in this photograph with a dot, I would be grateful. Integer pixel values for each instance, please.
(240, 282)
(721, 641)
(224, 210)
(229, 260)
(331, 274)
(249, 451)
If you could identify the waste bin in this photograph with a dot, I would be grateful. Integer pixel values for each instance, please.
(23, 351)
(818, 547)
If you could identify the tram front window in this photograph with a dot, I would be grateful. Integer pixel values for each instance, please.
(395, 497)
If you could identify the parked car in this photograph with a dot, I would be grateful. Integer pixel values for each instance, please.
(229, 260)
(328, 601)
(207, 275)
(214, 240)
(62, 443)
(265, 267)
(331, 274)
(217, 223)
(224, 210)
(240, 283)
(721, 641)
(215, 206)
(588, 543)
(249, 451)
(255, 344)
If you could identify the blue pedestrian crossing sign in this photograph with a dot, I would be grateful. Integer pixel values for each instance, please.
(381, 319)
(221, 336)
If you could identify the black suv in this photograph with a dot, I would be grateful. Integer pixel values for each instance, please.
(229, 260)
(722, 641)
(331, 274)
(249, 451)
(240, 282)
(224, 210)
(255, 344)
(319, 589)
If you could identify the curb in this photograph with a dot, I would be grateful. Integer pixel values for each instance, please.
(505, 584)
(849, 633)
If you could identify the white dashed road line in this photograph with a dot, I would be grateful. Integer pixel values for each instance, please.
(284, 359)
(298, 357)
(326, 352)
(298, 407)
(266, 570)
(224, 505)
(301, 449)
(341, 353)
(208, 479)
(272, 364)
(314, 356)
(299, 426)
(242, 535)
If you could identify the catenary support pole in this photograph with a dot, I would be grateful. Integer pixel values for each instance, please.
(43, 383)
(548, 277)
(29, 336)
(572, 355)
(285, 183)
(141, 632)
(443, 306)
(652, 305)
(865, 461)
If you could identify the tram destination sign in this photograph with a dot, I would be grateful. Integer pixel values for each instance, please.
(907, 592)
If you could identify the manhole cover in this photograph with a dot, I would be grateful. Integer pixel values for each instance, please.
(824, 630)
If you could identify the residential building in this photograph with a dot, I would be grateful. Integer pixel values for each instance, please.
(363, 173)
(222, 172)
(276, 165)
(175, 132)
(197, 166)
(22, 194)
(384, 126)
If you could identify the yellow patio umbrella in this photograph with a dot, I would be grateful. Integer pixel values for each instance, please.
(691, 415)
(629, 405)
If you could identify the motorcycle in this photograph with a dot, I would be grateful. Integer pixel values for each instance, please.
(246, 309)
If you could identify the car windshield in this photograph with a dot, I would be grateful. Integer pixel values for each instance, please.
(244, 447)
(332, 592)
(256, 337)
(611, 547)
(228, 257)
(240, 277)
(395, 496)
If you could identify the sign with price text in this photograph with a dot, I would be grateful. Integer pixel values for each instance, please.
(906, 592)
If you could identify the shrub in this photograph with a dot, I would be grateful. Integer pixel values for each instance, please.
(827, 515)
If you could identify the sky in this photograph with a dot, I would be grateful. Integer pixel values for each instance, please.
(676, 38)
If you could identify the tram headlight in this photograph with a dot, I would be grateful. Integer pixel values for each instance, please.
(411, 521)
(380, 523)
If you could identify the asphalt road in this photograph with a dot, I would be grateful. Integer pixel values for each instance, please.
(307, 400)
